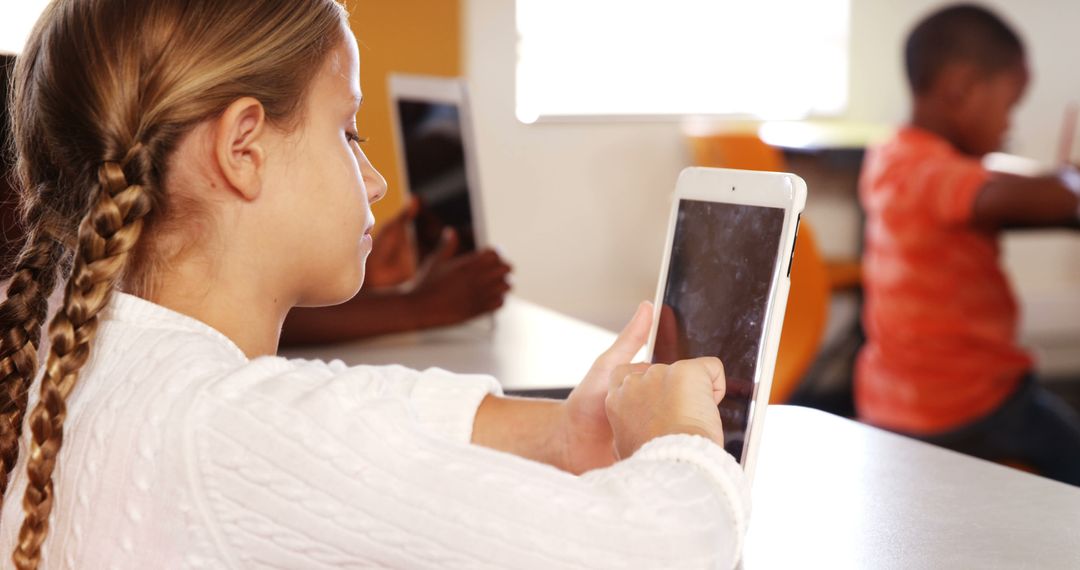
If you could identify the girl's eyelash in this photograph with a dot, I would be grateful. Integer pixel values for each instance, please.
(353, 137)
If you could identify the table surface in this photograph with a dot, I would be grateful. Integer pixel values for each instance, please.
(833, 493)
(528, 348)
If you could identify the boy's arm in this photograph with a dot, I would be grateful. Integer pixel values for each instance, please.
(447, 291)
(1010, 201)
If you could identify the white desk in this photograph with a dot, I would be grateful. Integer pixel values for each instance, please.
(831, 493)
(526, 347)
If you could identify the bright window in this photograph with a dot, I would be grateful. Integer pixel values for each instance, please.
(773, 59)
(17, 18)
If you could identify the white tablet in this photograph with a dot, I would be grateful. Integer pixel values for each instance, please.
(724, 284)
(436, 149)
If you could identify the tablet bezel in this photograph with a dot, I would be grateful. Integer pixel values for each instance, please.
(445, 90)
(751, 188)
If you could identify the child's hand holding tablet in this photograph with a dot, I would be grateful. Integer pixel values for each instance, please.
(724, 285)
(646, 401)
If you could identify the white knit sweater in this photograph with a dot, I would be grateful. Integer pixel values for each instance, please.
(179, 452)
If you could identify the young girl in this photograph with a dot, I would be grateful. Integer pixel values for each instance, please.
(194, 166)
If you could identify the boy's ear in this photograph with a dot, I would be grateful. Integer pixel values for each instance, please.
(239, 146)
(956, 82)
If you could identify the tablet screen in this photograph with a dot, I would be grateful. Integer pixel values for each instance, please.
(434, 150)
(719, 281)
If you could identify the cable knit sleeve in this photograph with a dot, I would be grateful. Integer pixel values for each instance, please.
(308, 465)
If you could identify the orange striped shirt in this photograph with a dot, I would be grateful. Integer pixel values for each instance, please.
(939, 313)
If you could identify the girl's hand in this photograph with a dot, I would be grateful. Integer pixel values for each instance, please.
(587, 435)
(661, 399)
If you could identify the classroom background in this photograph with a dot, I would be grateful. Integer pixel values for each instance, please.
(579, 204)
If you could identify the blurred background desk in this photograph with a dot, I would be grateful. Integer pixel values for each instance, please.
(528, 348)
(831, 493)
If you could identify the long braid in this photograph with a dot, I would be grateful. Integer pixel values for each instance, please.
(21, 317)
(107, 236)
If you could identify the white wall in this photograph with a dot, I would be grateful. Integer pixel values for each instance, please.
(581, 208)
(17, 21)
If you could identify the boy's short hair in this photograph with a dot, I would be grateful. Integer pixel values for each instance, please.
(963, 32)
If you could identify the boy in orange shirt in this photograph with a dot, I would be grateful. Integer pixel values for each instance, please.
(942, 361)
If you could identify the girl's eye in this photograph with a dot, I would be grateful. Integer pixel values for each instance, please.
(353, 137)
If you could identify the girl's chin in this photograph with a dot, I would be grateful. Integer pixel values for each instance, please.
(343, 291)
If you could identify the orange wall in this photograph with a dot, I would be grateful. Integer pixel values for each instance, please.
(407, 36)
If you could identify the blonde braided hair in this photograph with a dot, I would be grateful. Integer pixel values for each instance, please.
(107, 236)
(97, 77)
(21, 317)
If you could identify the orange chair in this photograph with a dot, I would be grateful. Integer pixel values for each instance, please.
(805, 318)
(745, 151)
(808, 302)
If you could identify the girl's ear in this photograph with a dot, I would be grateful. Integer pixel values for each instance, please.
(239, 146)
